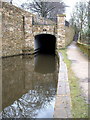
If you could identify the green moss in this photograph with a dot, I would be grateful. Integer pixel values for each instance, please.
(79, 106)
(61, 15)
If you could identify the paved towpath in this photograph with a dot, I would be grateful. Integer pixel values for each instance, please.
(80, 66)
(63, 98)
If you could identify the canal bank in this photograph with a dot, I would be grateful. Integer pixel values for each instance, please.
(62, 107)
(79, 107)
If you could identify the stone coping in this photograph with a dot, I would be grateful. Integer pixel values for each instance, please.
(44, 25)
(61, 15)
(63, 99)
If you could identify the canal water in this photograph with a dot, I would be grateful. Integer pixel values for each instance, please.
(29, 85)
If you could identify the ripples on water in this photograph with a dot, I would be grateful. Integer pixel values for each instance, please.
(29, 86)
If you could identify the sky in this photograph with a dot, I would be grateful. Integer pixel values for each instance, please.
(70, 3)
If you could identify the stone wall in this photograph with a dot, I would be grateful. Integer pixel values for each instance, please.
(41, 20)
(33, 29)
(69, 34)
(16, 30)
(39, 29)
(0, 59)
(28, 29)
(19, 31)
(12, 30)
(60, 31)
(0, 30)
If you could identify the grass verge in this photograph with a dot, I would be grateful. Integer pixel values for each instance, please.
(84, 48)
(79, 106)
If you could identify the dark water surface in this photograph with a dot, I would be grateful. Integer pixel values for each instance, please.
(29, 86)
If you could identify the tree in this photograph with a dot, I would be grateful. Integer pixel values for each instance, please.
(79, 18)
(45, 9)
(11, 1)
(88, 32)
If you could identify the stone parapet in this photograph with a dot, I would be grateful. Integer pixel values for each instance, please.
(61, 15)
(41, 29)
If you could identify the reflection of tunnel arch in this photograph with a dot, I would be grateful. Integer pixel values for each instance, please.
(45, 43)
(45, 63)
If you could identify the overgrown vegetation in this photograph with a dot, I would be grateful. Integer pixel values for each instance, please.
(79, 106)
(85, 49)
(80, 20)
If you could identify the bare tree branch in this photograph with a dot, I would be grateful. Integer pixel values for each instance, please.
(45, 9)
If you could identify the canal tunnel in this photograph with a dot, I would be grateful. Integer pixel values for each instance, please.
(45, 43)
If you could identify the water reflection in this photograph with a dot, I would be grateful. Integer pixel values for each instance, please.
(29, 86)
(45, 63)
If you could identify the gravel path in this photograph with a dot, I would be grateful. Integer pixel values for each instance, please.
(80, 68)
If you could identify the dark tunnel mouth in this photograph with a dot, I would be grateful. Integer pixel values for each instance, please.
(45, 44)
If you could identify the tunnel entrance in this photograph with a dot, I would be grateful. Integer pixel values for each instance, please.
(45, 43)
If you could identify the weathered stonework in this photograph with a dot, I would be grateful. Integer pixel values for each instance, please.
(69, 34)
(60, 31)
(12, 30)
(29, 42)
(62, 107)
(18, 30)
(48, 29)
(41, 20)
(0, 58)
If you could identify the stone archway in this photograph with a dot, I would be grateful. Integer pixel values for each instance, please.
(57, 30)
(45, 43)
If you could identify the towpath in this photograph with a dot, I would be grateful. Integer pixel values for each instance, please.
(80, 66)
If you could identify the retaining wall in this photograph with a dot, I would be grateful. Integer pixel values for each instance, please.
(18, 30)
(69, 34)
(12, 30)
